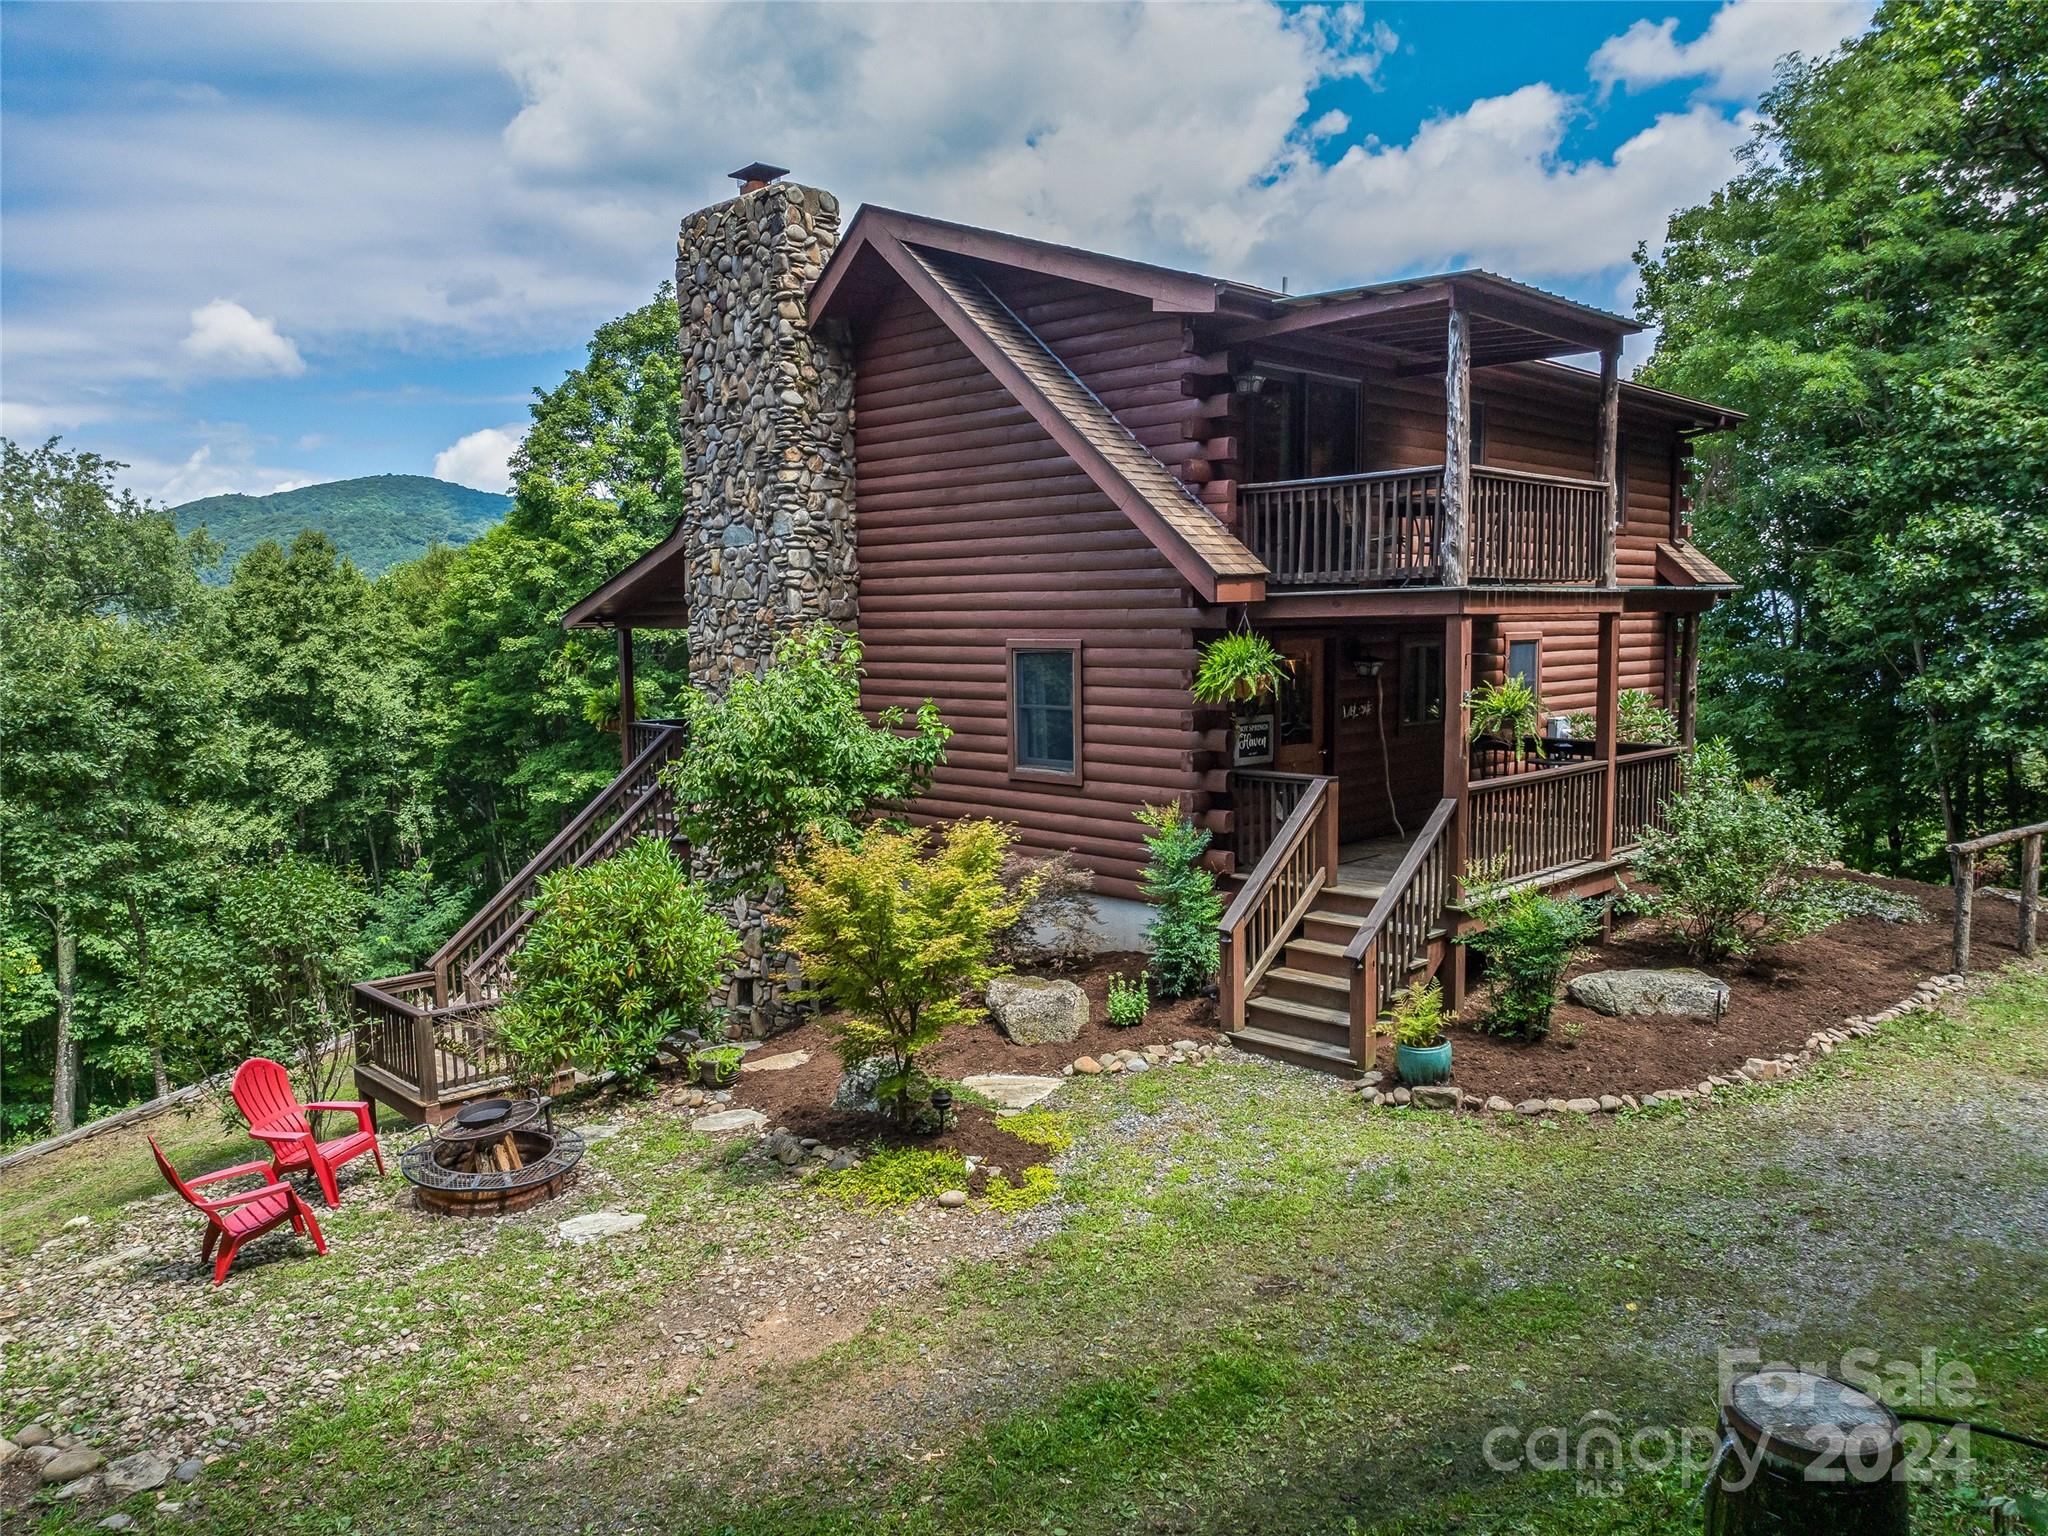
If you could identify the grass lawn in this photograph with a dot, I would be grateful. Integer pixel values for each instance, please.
(1253, 1306)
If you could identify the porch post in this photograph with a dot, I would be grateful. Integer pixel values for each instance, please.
(626, 701)
(1610, 459)
(1607, 724)
(1457, 787)
(1688, 677)
(1454, 507)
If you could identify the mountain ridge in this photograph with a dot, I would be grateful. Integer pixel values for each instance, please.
(378, 521)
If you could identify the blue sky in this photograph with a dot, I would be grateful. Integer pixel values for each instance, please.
(250, 246)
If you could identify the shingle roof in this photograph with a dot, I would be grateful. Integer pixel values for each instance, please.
(1063, 401)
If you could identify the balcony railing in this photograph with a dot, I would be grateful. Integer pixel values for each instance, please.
(1384, 528)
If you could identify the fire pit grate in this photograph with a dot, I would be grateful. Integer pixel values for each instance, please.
(492, 1158)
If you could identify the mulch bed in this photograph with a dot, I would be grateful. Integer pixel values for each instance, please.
(799, 1100)
(1777, 998)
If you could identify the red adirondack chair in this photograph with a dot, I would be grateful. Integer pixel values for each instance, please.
(263, 1093)
(232, 1220)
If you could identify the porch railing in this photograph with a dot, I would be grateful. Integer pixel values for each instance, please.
(423, 1055)
(1392, 944)
(1644, 782)
(1345, 530)
(1260, 803)
(1298, 863)
(1536, 528)
(1384, 528)
(1533, 822)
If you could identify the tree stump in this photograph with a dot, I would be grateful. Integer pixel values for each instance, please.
(1806, 1454)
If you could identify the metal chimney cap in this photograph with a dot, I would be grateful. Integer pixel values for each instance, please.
(759, 174)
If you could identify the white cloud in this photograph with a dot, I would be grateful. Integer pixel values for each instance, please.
(430, 218)
(1737, 56)
(482, 460)
(227, 339)
(29, 421)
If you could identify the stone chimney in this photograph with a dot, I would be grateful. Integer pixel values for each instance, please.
(767, 428)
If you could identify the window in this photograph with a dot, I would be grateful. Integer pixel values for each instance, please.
(1299, 426)
(1045, 708)
(1422, 682)
(1525, 660)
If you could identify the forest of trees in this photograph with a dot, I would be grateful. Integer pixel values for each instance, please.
(219, 802)
(1873, 291)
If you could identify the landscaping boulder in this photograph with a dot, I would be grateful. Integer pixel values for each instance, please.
(1682, 993)
(1011, 1090)
(1031, 1010)
(857, 1085)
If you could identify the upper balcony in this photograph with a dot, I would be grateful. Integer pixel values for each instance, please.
(1387, 529)
(1329, 385)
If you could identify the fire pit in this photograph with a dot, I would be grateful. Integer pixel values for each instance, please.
(494, 1157)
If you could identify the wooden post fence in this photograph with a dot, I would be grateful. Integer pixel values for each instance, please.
(1962, 863)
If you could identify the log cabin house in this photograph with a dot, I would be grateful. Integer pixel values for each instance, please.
(1037, 478)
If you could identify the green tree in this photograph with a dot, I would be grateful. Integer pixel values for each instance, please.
(787, 757)
(1870, 290)
(1185, 904)
(598, 482)
(115, 738)
(331, 694)
(895, 932)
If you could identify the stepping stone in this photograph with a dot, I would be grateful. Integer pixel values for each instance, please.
(138, 1473)
(600, 1224)
(786, 1062)
(69, 1466)
(1011, 1090)
(729, 1120)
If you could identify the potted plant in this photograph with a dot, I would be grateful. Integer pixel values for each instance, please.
(716, 1066)
(1237, 669)
(1510, 710)
(1422, 1052)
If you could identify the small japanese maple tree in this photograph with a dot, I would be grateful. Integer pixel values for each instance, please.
(895, 933)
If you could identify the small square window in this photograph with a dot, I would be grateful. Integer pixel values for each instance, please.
(1422, 682)
(1045, 695)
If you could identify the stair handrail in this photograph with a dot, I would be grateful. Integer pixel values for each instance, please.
(520, 888)
(1362, 955)
(1282, 886)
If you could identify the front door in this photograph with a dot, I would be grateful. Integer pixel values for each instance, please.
(1301, 731)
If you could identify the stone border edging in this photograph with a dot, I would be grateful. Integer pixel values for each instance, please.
(1758, 1069)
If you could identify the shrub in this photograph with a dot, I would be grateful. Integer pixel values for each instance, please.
(1831, 901)
(1186, 907)
(1126, 1002)
(894, 931)
(1642, 719)
(788, 756)
(1728, 863)
(1238, 668)
(1034, 1186)
(1055, 922)
(1529, 939)
(621, 955)
(1417, 1018)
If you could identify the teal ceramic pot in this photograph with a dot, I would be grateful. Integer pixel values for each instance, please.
(1417, 1064)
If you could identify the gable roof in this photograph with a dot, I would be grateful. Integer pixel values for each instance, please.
(1185, 531)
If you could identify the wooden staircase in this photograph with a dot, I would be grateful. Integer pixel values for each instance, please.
(1311, 961)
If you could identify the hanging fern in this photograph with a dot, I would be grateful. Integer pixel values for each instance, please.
(1238, 668)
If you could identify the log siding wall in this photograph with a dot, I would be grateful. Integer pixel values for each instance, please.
(975, 529)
